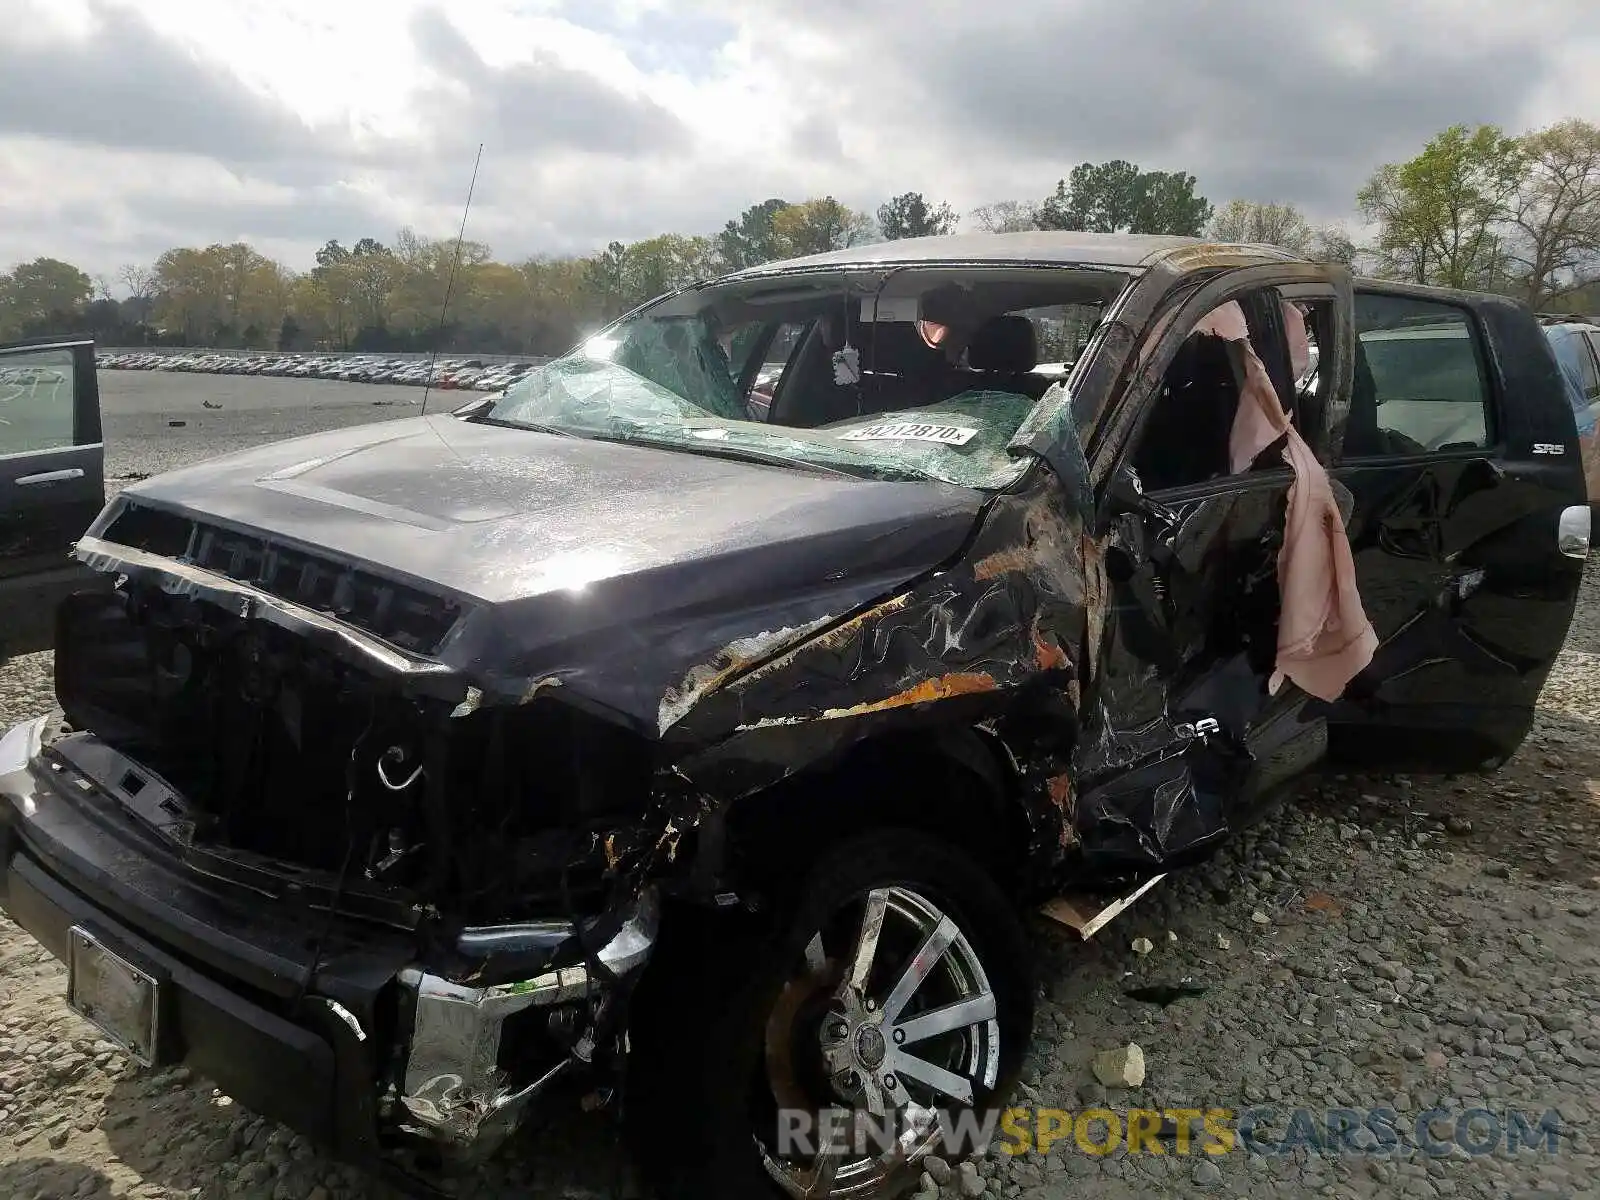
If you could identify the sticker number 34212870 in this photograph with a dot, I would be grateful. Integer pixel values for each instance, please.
(911, 431)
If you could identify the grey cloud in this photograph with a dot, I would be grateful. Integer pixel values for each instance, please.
(539, 106)
(125, 87)
(1250, 95)
(313, 217)
(816, 137)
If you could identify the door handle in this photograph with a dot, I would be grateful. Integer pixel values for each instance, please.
(50, 477)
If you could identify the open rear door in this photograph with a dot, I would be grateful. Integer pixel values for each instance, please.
(52, 483)
(1462, 454)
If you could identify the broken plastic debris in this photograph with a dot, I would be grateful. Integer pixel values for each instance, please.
(1142, 945)
(1223, 943)
(1260, 918)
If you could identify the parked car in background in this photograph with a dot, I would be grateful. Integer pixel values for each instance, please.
(634, 727)
(1575, 341)
(446, 372)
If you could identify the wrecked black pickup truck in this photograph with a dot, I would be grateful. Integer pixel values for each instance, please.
(693, 724)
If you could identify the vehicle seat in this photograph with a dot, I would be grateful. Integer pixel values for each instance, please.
(1001, 358)
(1362, 435)
(1185, 438)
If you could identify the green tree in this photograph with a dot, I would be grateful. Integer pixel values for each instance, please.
(373, 274)
(909, 215)
(605, 275)
(751, 240)
(1118, 197)
(665, 263)
(41, 293)
(1441, 216)
(428, 273)
(817, 226)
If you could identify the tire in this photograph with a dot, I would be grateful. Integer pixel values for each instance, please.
(734, 1011)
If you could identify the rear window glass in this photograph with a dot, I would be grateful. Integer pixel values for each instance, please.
(1425, 380)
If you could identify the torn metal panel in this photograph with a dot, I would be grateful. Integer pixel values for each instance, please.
(1180, 678)
(1166, 812)
(1007, 618)
(735, 658)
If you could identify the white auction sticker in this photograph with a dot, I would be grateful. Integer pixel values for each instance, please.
(911, 431)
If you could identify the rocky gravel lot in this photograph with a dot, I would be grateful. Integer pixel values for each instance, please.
(1382, 943)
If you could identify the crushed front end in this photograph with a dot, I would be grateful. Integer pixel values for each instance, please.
(357, 901)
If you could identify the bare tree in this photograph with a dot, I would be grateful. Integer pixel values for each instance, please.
(1556, 211)
(1006, 216)
(141, 283)
(1281, 225)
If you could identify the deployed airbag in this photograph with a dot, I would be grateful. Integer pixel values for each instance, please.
(1324, 636)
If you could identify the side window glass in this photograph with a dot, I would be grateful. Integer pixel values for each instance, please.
(775, 359)
(1420, 384)
(1591, 383)
(1061, 331)
(36, 401)
(741, 343)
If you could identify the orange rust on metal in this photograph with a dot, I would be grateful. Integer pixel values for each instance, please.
(1047, 654)
(1065, 798)
(1003, 562)
(941, 688)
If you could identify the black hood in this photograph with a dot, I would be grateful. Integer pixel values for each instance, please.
(636, 577)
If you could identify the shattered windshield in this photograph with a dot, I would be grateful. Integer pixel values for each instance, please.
(917, 374)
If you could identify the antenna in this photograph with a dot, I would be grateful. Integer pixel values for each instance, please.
(450, 285)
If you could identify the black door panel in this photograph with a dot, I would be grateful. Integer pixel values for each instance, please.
(52, 484)
(1455, 547)
(1183, 718)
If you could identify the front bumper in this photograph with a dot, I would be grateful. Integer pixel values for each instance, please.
(332, 1027)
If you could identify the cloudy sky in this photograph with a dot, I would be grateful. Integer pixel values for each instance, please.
(126, 128)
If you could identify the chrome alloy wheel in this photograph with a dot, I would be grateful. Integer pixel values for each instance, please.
(886, 1029)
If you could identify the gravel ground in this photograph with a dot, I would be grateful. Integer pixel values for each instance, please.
(1383, 942)
(216, 414)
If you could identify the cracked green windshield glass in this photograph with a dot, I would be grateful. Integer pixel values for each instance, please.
(931, 381)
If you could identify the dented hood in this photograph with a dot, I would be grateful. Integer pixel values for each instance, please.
(616, 571)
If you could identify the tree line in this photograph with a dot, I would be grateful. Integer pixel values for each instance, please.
(1476, 208)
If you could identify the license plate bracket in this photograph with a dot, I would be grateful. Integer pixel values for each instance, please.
(118, 997)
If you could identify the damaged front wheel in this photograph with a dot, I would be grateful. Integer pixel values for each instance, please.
(883, 1021)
